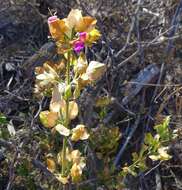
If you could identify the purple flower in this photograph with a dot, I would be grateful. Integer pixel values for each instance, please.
(78, 46)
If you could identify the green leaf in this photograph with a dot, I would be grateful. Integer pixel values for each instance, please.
(67, 93)
(3, 119)
(22, 170)
(163, 129)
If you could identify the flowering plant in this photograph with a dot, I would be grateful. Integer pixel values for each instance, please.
(63, 81)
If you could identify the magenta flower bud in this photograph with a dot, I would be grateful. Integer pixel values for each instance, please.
(78, 46)
(83, 36)
(52, 19)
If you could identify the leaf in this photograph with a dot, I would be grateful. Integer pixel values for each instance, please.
(129, 170)
(103, 101)
(62, 130)
(23, 169)
(67, 93)
(163, 129)
(11, 129)
(3, 119)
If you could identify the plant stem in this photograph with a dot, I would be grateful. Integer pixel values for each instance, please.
(66, 117)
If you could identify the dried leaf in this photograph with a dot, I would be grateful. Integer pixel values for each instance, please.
(11, 129)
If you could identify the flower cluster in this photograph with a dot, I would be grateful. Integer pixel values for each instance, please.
(63, 81)
(75, 31)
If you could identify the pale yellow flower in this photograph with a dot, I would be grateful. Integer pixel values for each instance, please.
(62, 130)
(162, 154)
(59, 27)
(73, 109)
(55, 104)
(51, 165)
(77, 158)
(76, 173)
(48, 119)
(78, 22)
(63, 180)
(81, 65)
(46, 75)
(95, 70)
(79, 133)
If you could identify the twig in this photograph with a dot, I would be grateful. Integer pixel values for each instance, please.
(123, 148)
(134, 19)
(38, 164)
(12, 170)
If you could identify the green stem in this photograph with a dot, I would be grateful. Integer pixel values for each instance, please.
(67, 117)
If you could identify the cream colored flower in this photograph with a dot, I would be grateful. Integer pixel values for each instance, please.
(73, 109)
(55, 104)
(77, 158)
(81, 65)
(95, 70)
(74, 18)
(78, 22)
(48, 119)
(76, 173)
(63, 180)
(47, 75)
(62, 130)
(79, 133)
(51, 165)
(162, 154)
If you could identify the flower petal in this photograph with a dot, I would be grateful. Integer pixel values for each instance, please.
(51, 165)
(62, 130)
(73, 110)
(74, 18)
